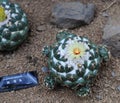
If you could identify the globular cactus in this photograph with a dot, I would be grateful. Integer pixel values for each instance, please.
(74, 61)
(13, 25)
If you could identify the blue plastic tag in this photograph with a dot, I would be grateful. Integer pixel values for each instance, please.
(18, 81)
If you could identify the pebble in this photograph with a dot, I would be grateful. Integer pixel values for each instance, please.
(113, 74)
(105, 14)
(41, 28)
(45, 69)
(98, 97)
(118, 88)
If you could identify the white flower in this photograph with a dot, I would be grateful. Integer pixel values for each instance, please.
(75, 50)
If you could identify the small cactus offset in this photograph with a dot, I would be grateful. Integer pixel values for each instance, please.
(74, 61)
(13, 25)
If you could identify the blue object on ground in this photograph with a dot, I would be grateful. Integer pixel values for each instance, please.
(18, 81)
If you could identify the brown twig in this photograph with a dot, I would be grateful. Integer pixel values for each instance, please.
(110, 5)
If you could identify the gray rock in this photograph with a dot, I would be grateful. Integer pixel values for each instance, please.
(114, 45)
(111, 36)
(113, 25)
(111, 30)
(72, 14)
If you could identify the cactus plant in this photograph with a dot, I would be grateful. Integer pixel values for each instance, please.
(13, 25)
(73, 61)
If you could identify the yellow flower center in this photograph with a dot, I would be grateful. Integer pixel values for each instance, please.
(76, 51)
(2, 14)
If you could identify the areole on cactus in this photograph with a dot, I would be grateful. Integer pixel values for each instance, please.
(74, 61)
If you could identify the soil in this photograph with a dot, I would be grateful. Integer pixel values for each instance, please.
(29, 57)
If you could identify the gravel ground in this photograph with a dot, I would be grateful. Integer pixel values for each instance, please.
(28, 57)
